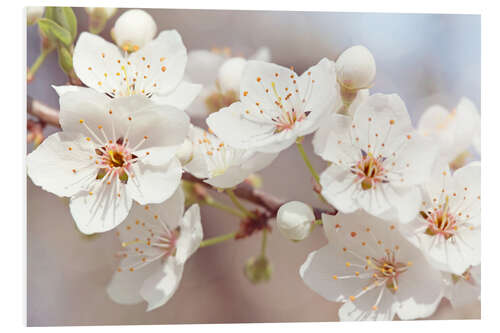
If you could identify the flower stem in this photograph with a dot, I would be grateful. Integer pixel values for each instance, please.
(219, 205)
(306, 159)
(38, 62)
(217, 239)
(238, 204)
(264, 243)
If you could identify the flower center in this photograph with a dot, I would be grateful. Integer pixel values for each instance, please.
(369, 170)
(386, 270)
(116, 159)
(440, 222)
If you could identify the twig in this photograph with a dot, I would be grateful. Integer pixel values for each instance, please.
(43, 112)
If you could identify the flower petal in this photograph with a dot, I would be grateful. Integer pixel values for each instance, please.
(160, 64)
(61, 164)
(102, 207)
(182, 96)
(96, 63)
(154, 184)
(203, 66)
(339, 187)
(191, 234)
(161, 286)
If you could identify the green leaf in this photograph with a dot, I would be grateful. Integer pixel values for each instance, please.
(67, 19)
(54, 31)
(65, 59)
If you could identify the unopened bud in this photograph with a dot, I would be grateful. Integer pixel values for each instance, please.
(33, 14)
(134, 29)
(98, 16)
(294, 220)
(258, 269)
(356, 68)
(185, 152)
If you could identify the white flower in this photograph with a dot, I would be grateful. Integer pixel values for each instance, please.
(34, 13)
(377, 160)
(155, 71)
(185, 152)
(448, 228)
(294, 220)
(220, 75)
(373, 270)
(221, 165)
(134, 29)
(110, 152)
(276, 107)
(356, 68)
(465, 288)
(452, 132)
(321, 135)
(157, 241)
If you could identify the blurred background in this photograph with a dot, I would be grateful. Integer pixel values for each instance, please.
(426, 59)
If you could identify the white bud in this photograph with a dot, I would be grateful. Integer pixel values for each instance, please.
(185, 152)
(294, 220)
(33, 14)
(134, 29)
(356, 68)
(230, 74)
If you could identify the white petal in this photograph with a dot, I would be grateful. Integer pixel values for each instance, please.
(166, 57)
(154, 184)
(404, 201)
(420, 289)
(61, 90)
(231, 177)
(182, 96)
(232, 127)
(59, 170)
(124, 287)
(262, 54)
(191, 234)
(259, 161)
(95, 62)
(339, 187)
(332, 140)
(101, 209)
(230, 74)
(161, 286)
(361, 310)
(318, 88)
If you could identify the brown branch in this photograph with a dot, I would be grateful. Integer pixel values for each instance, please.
(43, 112)
(260, 198)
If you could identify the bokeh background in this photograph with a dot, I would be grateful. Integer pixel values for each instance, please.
(424, 58)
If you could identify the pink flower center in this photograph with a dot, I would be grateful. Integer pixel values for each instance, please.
(116, 159)
(370, 171)
(440, 222)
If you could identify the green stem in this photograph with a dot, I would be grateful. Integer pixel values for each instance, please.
(306, 159)
(217, 239)
(211, 202)
(38, 62)
(238, 204)
(264, 243)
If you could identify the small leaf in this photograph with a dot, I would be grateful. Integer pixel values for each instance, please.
(54, 31)
(67, 19)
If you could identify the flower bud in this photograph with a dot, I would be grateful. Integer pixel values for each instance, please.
(230, 74)
(356, 68)
(33, 14)
(134, 29)
(98, 16)
(258, 269)
(294, 220)
(185, 152)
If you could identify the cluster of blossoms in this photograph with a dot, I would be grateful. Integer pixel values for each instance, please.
(407, 230)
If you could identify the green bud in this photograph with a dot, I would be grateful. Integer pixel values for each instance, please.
(65, 59)
(258, 269)
(54, 31)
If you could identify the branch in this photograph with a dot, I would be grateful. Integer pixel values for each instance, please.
(260, 198)
(43, 112)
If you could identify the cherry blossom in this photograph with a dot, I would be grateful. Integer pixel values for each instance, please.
(277, 106)
(157, 240)
(373, 270)
(376, 160)
(448, 227)
(110, 152)
(220, 165)
(154, 71)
